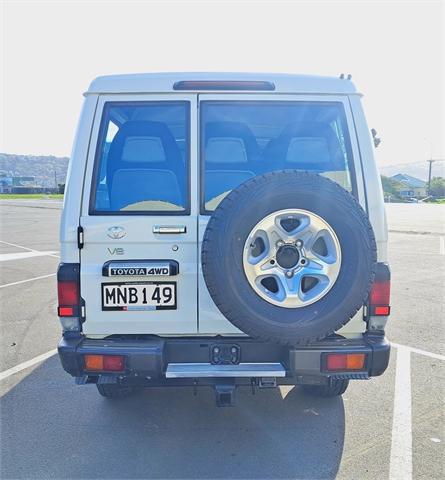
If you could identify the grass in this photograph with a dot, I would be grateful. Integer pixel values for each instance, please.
(27, 196)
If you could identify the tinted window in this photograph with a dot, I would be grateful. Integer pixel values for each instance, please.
(244, 139)
(142, 159)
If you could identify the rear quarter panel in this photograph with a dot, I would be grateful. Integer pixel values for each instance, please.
(69, 253)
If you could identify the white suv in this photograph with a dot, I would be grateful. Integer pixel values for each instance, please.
(223, 230)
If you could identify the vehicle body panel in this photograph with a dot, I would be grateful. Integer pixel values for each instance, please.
(139, 243)
(196, 314)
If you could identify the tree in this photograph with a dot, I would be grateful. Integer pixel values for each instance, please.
(391, 187)
(437, 187)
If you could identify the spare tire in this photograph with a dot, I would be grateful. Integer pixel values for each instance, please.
(289, 257)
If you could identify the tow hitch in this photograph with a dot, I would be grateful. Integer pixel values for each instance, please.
(225, 394)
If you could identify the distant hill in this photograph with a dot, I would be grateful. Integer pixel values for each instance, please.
(42, 167)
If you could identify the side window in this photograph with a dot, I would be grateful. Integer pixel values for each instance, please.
(142, 159)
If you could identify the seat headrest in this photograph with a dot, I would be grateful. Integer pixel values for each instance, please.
(225, 150)
(142, 142)
(313, 145)
(304, 149)
(232, 131)
(143, 149)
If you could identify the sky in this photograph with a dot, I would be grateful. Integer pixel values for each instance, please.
(51, 50)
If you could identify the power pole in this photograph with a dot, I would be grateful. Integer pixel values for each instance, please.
(55, 178)
(431, 161)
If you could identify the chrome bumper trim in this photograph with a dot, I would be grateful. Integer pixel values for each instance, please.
(197, 370)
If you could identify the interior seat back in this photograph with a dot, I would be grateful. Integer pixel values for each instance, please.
(312, 146)
(144, 163)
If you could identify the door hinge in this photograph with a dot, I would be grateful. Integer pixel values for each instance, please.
(79, 237)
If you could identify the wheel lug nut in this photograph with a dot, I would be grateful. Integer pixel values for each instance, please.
(299, 243)
(289, 274)
(280, 243)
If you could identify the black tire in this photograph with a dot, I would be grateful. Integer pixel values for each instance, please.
(334, 389)
(231, 224)
(113, 390)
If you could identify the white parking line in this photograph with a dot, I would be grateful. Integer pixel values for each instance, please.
(6, 257)
(442, 245)
(401, 461)
(27, 364)
(437, 356)
(18, 246)
(27, 280)
(49, 254)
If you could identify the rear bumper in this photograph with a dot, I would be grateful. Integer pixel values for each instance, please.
(147, 360)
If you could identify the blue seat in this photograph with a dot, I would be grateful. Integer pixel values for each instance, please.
(144, 164)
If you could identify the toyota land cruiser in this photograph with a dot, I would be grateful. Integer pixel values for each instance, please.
(223, 230)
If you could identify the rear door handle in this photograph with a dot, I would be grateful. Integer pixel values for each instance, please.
(169, 229)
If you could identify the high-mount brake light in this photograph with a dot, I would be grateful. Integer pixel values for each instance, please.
(255, 85)
(68, 289)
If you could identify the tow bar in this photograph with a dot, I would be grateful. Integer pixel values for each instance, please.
(225, 393)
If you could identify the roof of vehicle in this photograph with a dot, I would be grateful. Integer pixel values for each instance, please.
(163, 82)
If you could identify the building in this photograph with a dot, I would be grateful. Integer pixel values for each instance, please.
(410, 187)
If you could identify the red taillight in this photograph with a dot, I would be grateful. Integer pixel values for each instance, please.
(68, 289)
(380, 293)
(66, 311)
(345, 361)
(107, 363)
(384, 311)
(68, 293)
(379, 297)
(114, 363)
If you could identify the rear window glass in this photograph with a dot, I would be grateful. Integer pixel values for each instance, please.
(240, 140)
(142, 159)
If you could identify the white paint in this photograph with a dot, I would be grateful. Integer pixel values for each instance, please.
(27, 364)
(18, 246)
(27, 280)
(441, 245)
(437, 356)
(50, 254)
(6, 257)
(401, 462)
(435, 440)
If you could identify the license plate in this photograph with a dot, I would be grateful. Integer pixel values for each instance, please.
(137, 296)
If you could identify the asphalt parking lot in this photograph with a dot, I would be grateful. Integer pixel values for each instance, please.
(389, 427)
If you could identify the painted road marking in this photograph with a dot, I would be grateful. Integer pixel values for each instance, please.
(420, 352)
(27, 280)
(27, 364)
(50, 254)
(401, 460)
(442, 245)
(18, 246)
(6, 257)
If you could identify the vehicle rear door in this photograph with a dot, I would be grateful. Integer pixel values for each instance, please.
(235, 137)
(138, 225)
